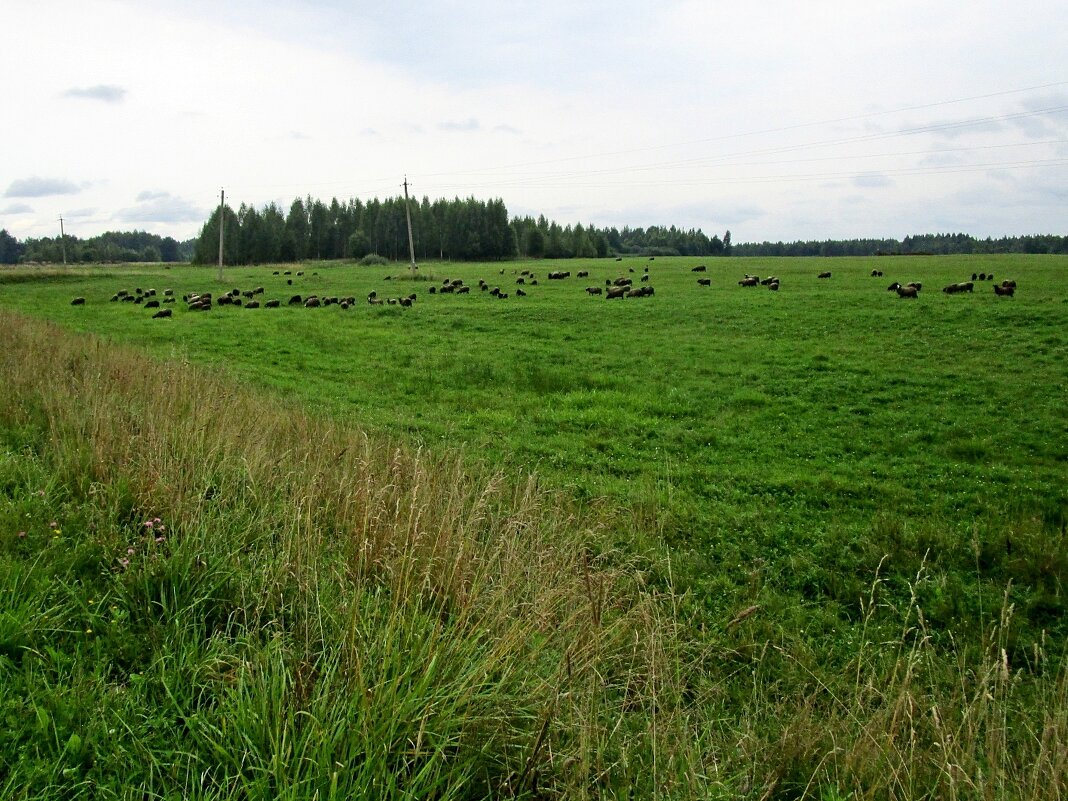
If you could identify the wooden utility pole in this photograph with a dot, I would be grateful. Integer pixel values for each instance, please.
(408, 216)
(222, 222)
(62, 241)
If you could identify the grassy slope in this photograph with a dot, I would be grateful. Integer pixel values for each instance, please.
(798, 450)
(290, 609)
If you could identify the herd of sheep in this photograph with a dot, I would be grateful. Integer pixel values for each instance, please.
(618, 288)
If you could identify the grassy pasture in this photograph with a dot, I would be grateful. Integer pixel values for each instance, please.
(803, 434)
(863, 497)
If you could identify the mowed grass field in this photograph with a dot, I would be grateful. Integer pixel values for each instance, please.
(807, 544)
(786, 439)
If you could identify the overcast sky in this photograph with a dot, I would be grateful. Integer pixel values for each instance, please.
(775, 119)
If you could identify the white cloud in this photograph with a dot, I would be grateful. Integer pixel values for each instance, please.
(162, 207)
(100, 92)
(41, 187)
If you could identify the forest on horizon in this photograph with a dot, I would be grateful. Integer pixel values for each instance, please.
(459, 230)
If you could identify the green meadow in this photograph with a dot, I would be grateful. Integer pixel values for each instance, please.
(847, 511)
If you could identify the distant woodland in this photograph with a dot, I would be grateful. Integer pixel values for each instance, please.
(110, 247)
(462, 230)
(457, 229)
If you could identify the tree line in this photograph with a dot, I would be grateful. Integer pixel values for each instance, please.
(921, 244)
(110, 247)
(458, 229)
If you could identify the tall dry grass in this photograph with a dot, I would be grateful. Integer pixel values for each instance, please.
(377, 566)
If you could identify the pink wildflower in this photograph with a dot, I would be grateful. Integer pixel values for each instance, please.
(124, 562)
(156, 520)
(160, 539)
(53, 524)
(131, 551)
(22, 535)
(148, 524)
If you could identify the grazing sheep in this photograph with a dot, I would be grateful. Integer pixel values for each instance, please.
(433, 290)
(168, 292)
(915, 285)
(615, 292)
(161, 314)
(152, 304)
(583, 274)
(344, 304)
(704, 282)
(289, 282)
(296, 300)
(752, 281)
(170, 300)
(502, 295)
(982, 276)
(521, 280)
(645, 277)
(464, 290)
(771, 279)
(114, 298)
(519, 293)
(1011, 283)
(78, 302)
(300, 272)
(406, 302)
(495, 291)
(953, 289)
(252, 304)
(774, 286)
(700, 268)
(619, 258)
(894, 287)
(272, 304)
(975, 277)
(1004, 291)
(907, 292)
(312, 303)
(623, 282)
(593, 290)
(375, 301)
(534, 282)
(826, 274)
(876, 273)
